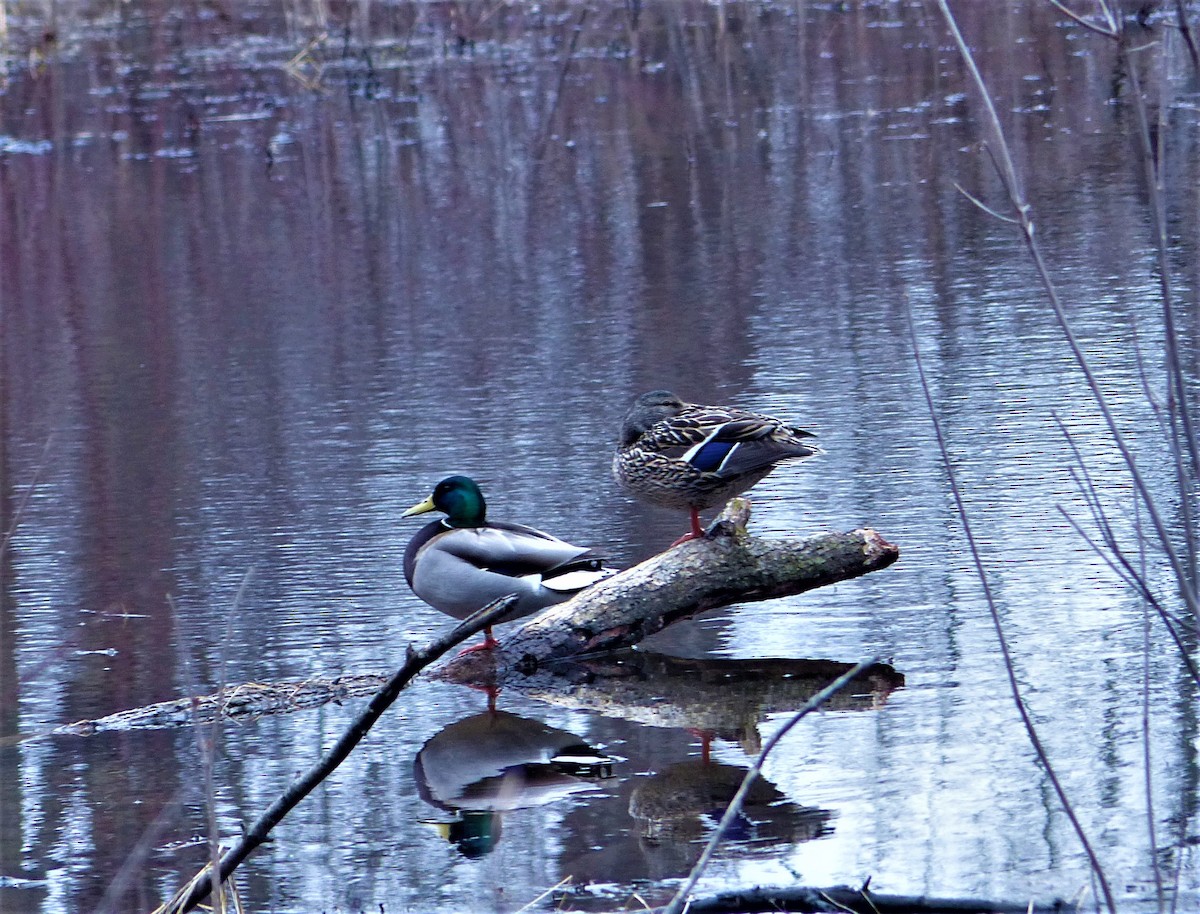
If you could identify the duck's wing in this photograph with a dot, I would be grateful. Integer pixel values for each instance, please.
(728, 442)
(509, 549)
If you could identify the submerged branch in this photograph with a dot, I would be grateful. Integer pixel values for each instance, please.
(246, 700)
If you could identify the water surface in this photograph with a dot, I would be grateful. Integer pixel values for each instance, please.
(261, 289)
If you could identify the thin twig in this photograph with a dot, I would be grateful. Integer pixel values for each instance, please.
(1147, 758)
(1114, 554)
(26, 495)
(676, 904)
(533, 902)
(196, 891)
(135, 859)
(1120, 563)
(995, 214)
(1009, 178)
(210, 745)
(1182, 431)
(1014, 686)
(1108, 30)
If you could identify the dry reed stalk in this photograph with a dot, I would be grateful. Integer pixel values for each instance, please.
(197, 889)
(1022, 216)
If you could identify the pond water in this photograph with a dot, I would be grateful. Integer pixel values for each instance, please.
(264, 279)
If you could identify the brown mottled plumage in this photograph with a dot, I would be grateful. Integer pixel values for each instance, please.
(689, 456)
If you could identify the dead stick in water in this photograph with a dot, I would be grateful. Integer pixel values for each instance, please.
(201, 886)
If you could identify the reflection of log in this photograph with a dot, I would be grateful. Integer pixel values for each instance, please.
(727, 698)
(726, 566)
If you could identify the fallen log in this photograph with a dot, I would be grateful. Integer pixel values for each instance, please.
(728, 565)
(245, 701)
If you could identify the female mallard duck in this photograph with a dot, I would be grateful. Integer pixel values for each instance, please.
(463, 562)
(684, 455)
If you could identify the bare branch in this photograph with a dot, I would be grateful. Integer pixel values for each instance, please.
(1014, 686)
(677, 903)
(983, 206)
(200, 887)
(1109, 30)
(1007, 173)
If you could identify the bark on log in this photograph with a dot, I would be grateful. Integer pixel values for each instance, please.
(726, 566)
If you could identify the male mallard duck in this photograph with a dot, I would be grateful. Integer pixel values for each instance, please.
(684, 455)
(463, 562)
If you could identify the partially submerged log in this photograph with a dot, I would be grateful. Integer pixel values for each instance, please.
(248, 700)
(728, 565)
(724, 697)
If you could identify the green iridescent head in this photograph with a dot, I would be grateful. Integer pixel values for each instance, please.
(459, 498)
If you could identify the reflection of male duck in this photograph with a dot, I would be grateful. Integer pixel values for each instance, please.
(493, 762)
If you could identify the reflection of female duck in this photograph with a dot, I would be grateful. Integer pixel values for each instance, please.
(672, 806)
(496, 761)
(463, 562)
